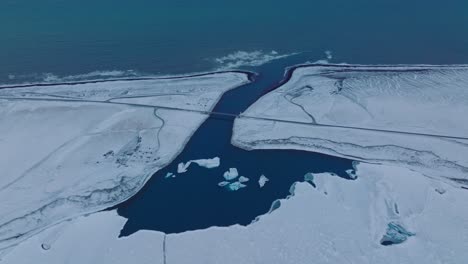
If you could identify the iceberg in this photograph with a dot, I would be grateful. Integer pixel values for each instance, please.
(207, 163)
(182, 167)
(223, 183)
(262, 180)
(395, 234)
(243, 179)
(231, 174)
(235, 186)
(169, 175)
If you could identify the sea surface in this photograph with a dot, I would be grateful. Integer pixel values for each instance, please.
(49, 38)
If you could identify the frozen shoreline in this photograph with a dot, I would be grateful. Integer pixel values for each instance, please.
(334, 222)
(96, 147)
(416, 99)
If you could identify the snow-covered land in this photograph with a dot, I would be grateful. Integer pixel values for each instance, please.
(413, 116)
(339, 221)
(72, 149)
(405, 204)
(89, 239)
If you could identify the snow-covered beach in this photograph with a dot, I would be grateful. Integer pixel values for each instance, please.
(411, 116)
(404, 204)
(69, 150)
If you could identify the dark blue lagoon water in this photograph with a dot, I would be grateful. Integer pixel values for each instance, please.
(193, 200)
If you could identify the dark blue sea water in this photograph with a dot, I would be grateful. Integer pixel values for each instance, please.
(181, 36)
(193, 200)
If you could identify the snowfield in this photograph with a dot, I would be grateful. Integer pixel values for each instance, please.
(406, 203)
(413, 116)
(339, 221)
(68, 150)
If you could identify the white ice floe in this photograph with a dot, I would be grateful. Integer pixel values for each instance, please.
(371, 113)
(231, 174)
(169, 175)
(69, 150)
(182, 167)
(223, 183)
(338, 221)
(235, 186)
(262, 180)
(207, 163)
(243, 179)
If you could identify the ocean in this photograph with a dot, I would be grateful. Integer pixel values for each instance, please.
(51, 39)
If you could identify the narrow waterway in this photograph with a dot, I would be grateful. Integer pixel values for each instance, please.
(193, 200)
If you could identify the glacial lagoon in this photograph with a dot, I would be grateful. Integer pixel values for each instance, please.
(195, 200)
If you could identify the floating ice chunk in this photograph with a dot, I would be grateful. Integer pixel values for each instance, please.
(182, 167)
(207, 163)
(243, 179)
(396, 234)
(236, 186)
(231, 174)
(169, 175)
(223, 183)
(262, 181)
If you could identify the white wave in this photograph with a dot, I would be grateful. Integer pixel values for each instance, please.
(52, 77)
(245, 58)
(101, 74)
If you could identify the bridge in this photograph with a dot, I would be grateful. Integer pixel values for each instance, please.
(239, 116)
